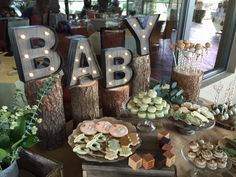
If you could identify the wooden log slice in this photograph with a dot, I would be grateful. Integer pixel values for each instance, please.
(85, 102)
(52, 130)
(142, 72)
(113, 100)
(190, 83)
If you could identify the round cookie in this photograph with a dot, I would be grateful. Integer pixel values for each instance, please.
(143, 107)
(160, 114)
(81, 149)
(157, 100)
(142, 94)
(136, 99)
(151, 115)
(103, 126)
(159, 107)
(142, 114)
(118, 130)
(146, 99)
(164, 103)
(152, 93)
(130, 104)
(151, 109)
(134, 110)
(88, 128)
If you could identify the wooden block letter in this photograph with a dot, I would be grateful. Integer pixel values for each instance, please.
(170, 158)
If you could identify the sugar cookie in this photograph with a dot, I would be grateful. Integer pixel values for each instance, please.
(118, 130)
(103, 126)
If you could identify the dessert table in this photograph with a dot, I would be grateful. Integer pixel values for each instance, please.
(75, 167)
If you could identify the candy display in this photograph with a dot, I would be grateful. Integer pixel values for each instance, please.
(204, 154)
(192, 114)
(148, 105)
(104, 140)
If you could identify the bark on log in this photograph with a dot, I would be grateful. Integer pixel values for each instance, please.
(113, 100)
(85, 102)
(52, 131)
(190, 83)
(142, 72)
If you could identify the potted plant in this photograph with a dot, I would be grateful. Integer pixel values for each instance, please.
(18, 129)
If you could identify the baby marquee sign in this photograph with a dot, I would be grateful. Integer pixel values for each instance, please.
(35, 53)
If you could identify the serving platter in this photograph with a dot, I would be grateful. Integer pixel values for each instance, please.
(99, 156)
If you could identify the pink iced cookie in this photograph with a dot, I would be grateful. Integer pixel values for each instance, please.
(88, 128)
(118, 130)
(103, 126)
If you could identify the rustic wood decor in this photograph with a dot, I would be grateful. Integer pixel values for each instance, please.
(142, 32)
(85, 102)
(190, 83)
(52, 131)
(82, 67)
(135, 161)
(142, 71)
(113, 100)
(148, 161)
(115, 66)
(34, 52)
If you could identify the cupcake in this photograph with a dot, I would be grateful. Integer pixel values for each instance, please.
(142, 94)
(221, 163)
(134, 110)
(209, 146)
(192, 155)
(200, 162)
(136, 99)
(143, 107)
(164, 103)
(131, 104)
(218, 152)
(159, 107)
(212, 164)
(194, 146)
(207, 154)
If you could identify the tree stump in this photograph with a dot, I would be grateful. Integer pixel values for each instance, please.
(85, 102)
(52, 131)
(113, 100)
(190, 83)
(142, 72)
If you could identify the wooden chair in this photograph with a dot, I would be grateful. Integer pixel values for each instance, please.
(4, 40)
(112, 38)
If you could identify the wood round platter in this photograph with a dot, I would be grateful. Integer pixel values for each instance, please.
(98, 156)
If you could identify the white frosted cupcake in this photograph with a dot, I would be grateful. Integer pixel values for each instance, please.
(212, 164)
(192, 155)
(221, 163)
(200, 162)
(152, 93)
(151, 115)
(142, 114)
